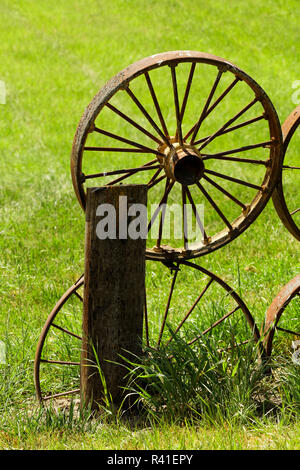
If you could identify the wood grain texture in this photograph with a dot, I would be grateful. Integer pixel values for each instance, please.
(114, 290)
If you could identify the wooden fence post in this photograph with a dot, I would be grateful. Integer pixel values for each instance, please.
(114, 289)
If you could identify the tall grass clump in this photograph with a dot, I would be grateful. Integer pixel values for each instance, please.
(181, 381)
(286, 381)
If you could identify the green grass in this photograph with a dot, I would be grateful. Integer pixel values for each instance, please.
(55, 57)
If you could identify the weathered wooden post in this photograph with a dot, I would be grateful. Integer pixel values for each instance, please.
(114, 286)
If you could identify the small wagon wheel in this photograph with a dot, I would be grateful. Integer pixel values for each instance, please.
(208, 303)
(206, 125)
(287, 325)
(290, 215)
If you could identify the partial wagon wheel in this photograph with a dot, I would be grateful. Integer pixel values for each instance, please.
(288, 205)
(282, 322)
(67, 343)
(214, 139)
(208, 303)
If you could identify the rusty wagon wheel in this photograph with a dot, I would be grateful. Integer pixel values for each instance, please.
(213, 136)
(208, 302)
(283, 318)
(69, 345)
(286, 196)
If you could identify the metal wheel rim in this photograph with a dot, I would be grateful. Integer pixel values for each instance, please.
(276, 310)
(45, 330)
(240, 308)
(121, 80)
(288, 129)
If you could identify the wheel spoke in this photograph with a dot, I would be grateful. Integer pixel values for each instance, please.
(184, 217)
(214, 205)
(214, 324)
(196, 126)
(146, 320)
(127, 141)
(168, 305)
(64, 363)
(187, 90)
(118, 149)
(176, 101)
(213, 106)
(287, 167)
(133, 123)
(232, 128)
(229, 195)
(120, 172)
(191, 310)
(147, 116)
(161, 223)
(295, 211)
(121, 178)
(156, 104)
(66, 331)
(154, 177)
(62, 394)
(241, 149)
(228, 123)
(197, 217)
(78, 295)
(236, 159)
(235, 345)
(287, 331)
(168, 187)
(222, 96)
(234, 180)
(156, 181)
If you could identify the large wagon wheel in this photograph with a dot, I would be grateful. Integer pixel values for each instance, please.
(287, 326)
(206, 124)
(207, 303)
(287, 204)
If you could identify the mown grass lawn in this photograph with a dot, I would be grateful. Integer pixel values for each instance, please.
(55, 56)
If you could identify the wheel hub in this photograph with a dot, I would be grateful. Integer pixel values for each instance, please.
(183, 163)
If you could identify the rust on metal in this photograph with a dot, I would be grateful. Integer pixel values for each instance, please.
(153, 338)
(39, 359)
(181, 154)
(183, 163)
(180, 159)
(276, 309)
(288, 129)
